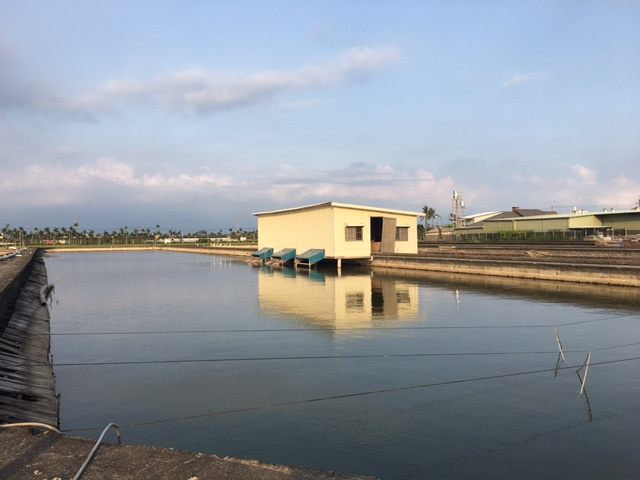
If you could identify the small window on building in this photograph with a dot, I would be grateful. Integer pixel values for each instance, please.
(353, 234)
(403, 297)
(355, 301)
(402, 234)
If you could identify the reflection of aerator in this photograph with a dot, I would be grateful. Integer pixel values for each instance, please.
(583, 380)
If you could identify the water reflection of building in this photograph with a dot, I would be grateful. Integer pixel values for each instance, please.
(336, 302)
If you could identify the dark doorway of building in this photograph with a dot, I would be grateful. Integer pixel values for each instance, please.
(383, 235)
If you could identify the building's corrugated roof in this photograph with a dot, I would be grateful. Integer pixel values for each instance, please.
(567, 215)
(521, 212)
(340, 205)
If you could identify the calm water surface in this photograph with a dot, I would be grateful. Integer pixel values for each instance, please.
(399, 377)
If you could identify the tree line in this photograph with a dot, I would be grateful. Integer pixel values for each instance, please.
(122, 236)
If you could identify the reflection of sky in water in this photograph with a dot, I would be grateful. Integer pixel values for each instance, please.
(345, 372)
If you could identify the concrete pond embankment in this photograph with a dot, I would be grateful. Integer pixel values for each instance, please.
(594, 266)
(27, 383)
(225, 250)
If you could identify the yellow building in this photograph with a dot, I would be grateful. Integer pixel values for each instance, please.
(342, 231)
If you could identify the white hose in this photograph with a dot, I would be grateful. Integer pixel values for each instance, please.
(31, 424)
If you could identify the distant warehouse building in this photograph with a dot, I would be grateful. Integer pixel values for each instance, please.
(580, 224)
(340, 231)
(606, 223)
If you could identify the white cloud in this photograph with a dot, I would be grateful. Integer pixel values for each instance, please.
(108, 169)
(518, 79)
(425, 175)
(586, 175)
(356, 183)
(38, 185)
(109, 179)
(624, 193)
(582, 177)
(199, 90)
(186, 181)
(61, 151)
(581, 187)
(209, 92)
(302, 104)
(53, 184)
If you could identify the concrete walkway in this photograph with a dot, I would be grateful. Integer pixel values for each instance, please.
(39, 455)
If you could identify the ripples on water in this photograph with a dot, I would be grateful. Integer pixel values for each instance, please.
(395, 376)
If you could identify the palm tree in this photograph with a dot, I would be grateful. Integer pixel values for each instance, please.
(124, 233)
(21, 231)
(73, 232)
(157, 234)
(428, 213)
(5, 232)
(35, 233)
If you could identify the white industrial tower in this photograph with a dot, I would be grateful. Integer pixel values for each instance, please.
(457, 209)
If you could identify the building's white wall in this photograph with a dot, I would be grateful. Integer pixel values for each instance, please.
(343, 217)
(410, 246)
(324, 227)
(302, 230)
(348, 216)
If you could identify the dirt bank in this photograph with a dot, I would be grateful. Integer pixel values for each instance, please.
(51, 455)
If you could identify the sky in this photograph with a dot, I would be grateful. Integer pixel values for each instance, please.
(194, 115)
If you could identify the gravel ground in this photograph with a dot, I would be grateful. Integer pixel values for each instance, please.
(44, 455)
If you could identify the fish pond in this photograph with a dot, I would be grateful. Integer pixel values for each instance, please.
(392, 374)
